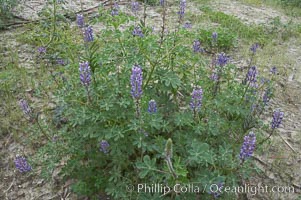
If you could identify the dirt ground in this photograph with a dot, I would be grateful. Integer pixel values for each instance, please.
(281, 161)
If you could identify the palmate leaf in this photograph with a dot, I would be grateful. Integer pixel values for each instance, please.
(200, 153)
(183, 119)
(225, 157)
(156, 122)
(171, 79)
(180, 168)
(146, 166)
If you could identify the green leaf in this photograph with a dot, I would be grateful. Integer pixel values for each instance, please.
(156, 122)
(183, 119)
(146, 166)
(201, 153)
(171, 79)
(180, 168)
(225, 155)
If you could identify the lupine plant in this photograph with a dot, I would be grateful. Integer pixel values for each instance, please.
(22, 164)
(115, 9)
(162, 108)
(80, 20)
(25, 108)
(248, 146)
(152, 106)
(182, 9)
(104, 145)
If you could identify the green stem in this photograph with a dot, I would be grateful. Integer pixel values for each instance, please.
(171, 169)
(122, 46)
(245, 92)
(144, 14)
(163, 24)
(141, 156)
(264, 140)
(153, 65)
(217, 85)
(88, 94)
(172, 57)
(137, 109)
(53, 23)
(40, 127)
(150, 75)
(249, 66)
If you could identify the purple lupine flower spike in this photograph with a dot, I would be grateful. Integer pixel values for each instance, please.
(252, 76)
(21, 164)
(182, 9)
(136, 82)
(25, 107)
(222, 59)
(162, 2)
(266, 97)
(85, 73)
(214, 76)
(187, 25)
(263, 80)
(254, 47)
(214, 37)
(42, 50)
(135, 7)
(277, 119)
(152, 106)
(197, 46)
(137, 32)
(115, 9)
(104, 145)
(80, 20)
(60, 62)
(273, 70)
(248, 146)
(196, 99)
(88, 34)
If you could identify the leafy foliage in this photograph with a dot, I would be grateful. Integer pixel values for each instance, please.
(226, 39)
(175, 144)
(291, 3)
